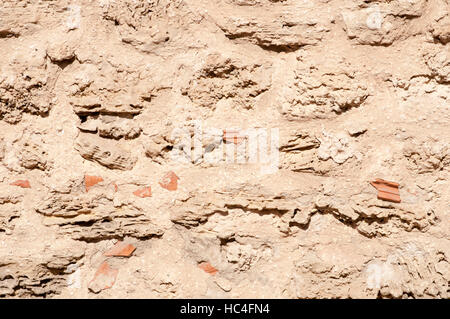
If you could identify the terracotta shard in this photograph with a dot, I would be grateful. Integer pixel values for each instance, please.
(389, 197)
(382, 181)
(90, 181)
(387, 191)
(144, 192)
(233, 136)
(386, 188)
(22, 183)
(120, 249)
(207, 267)
(170, 181)
(104, 278)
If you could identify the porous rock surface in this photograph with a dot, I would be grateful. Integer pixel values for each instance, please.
(91, 92)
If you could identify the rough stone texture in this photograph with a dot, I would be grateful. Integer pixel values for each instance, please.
(221, 78)
(383, 22)
(111, 154)
(358, 90)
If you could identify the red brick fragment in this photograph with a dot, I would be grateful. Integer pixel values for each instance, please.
(22, 183)
(386, 188)
(232, 136)
(389, 197)
(207, 267)
(104, 278)
(144, 192)
(382, 181)
(387, 191)
(90, 181)
(170, 181)
(120, 249)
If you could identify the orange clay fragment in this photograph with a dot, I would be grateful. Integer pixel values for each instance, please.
(104, 278)
(144, 192)
(232, 136)
(207, 267)
(389, 197)
(393, 184)
(387, 191)
(90, 181)
(170, 181)
(386, 188)
(120, 249)
(22, 183)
